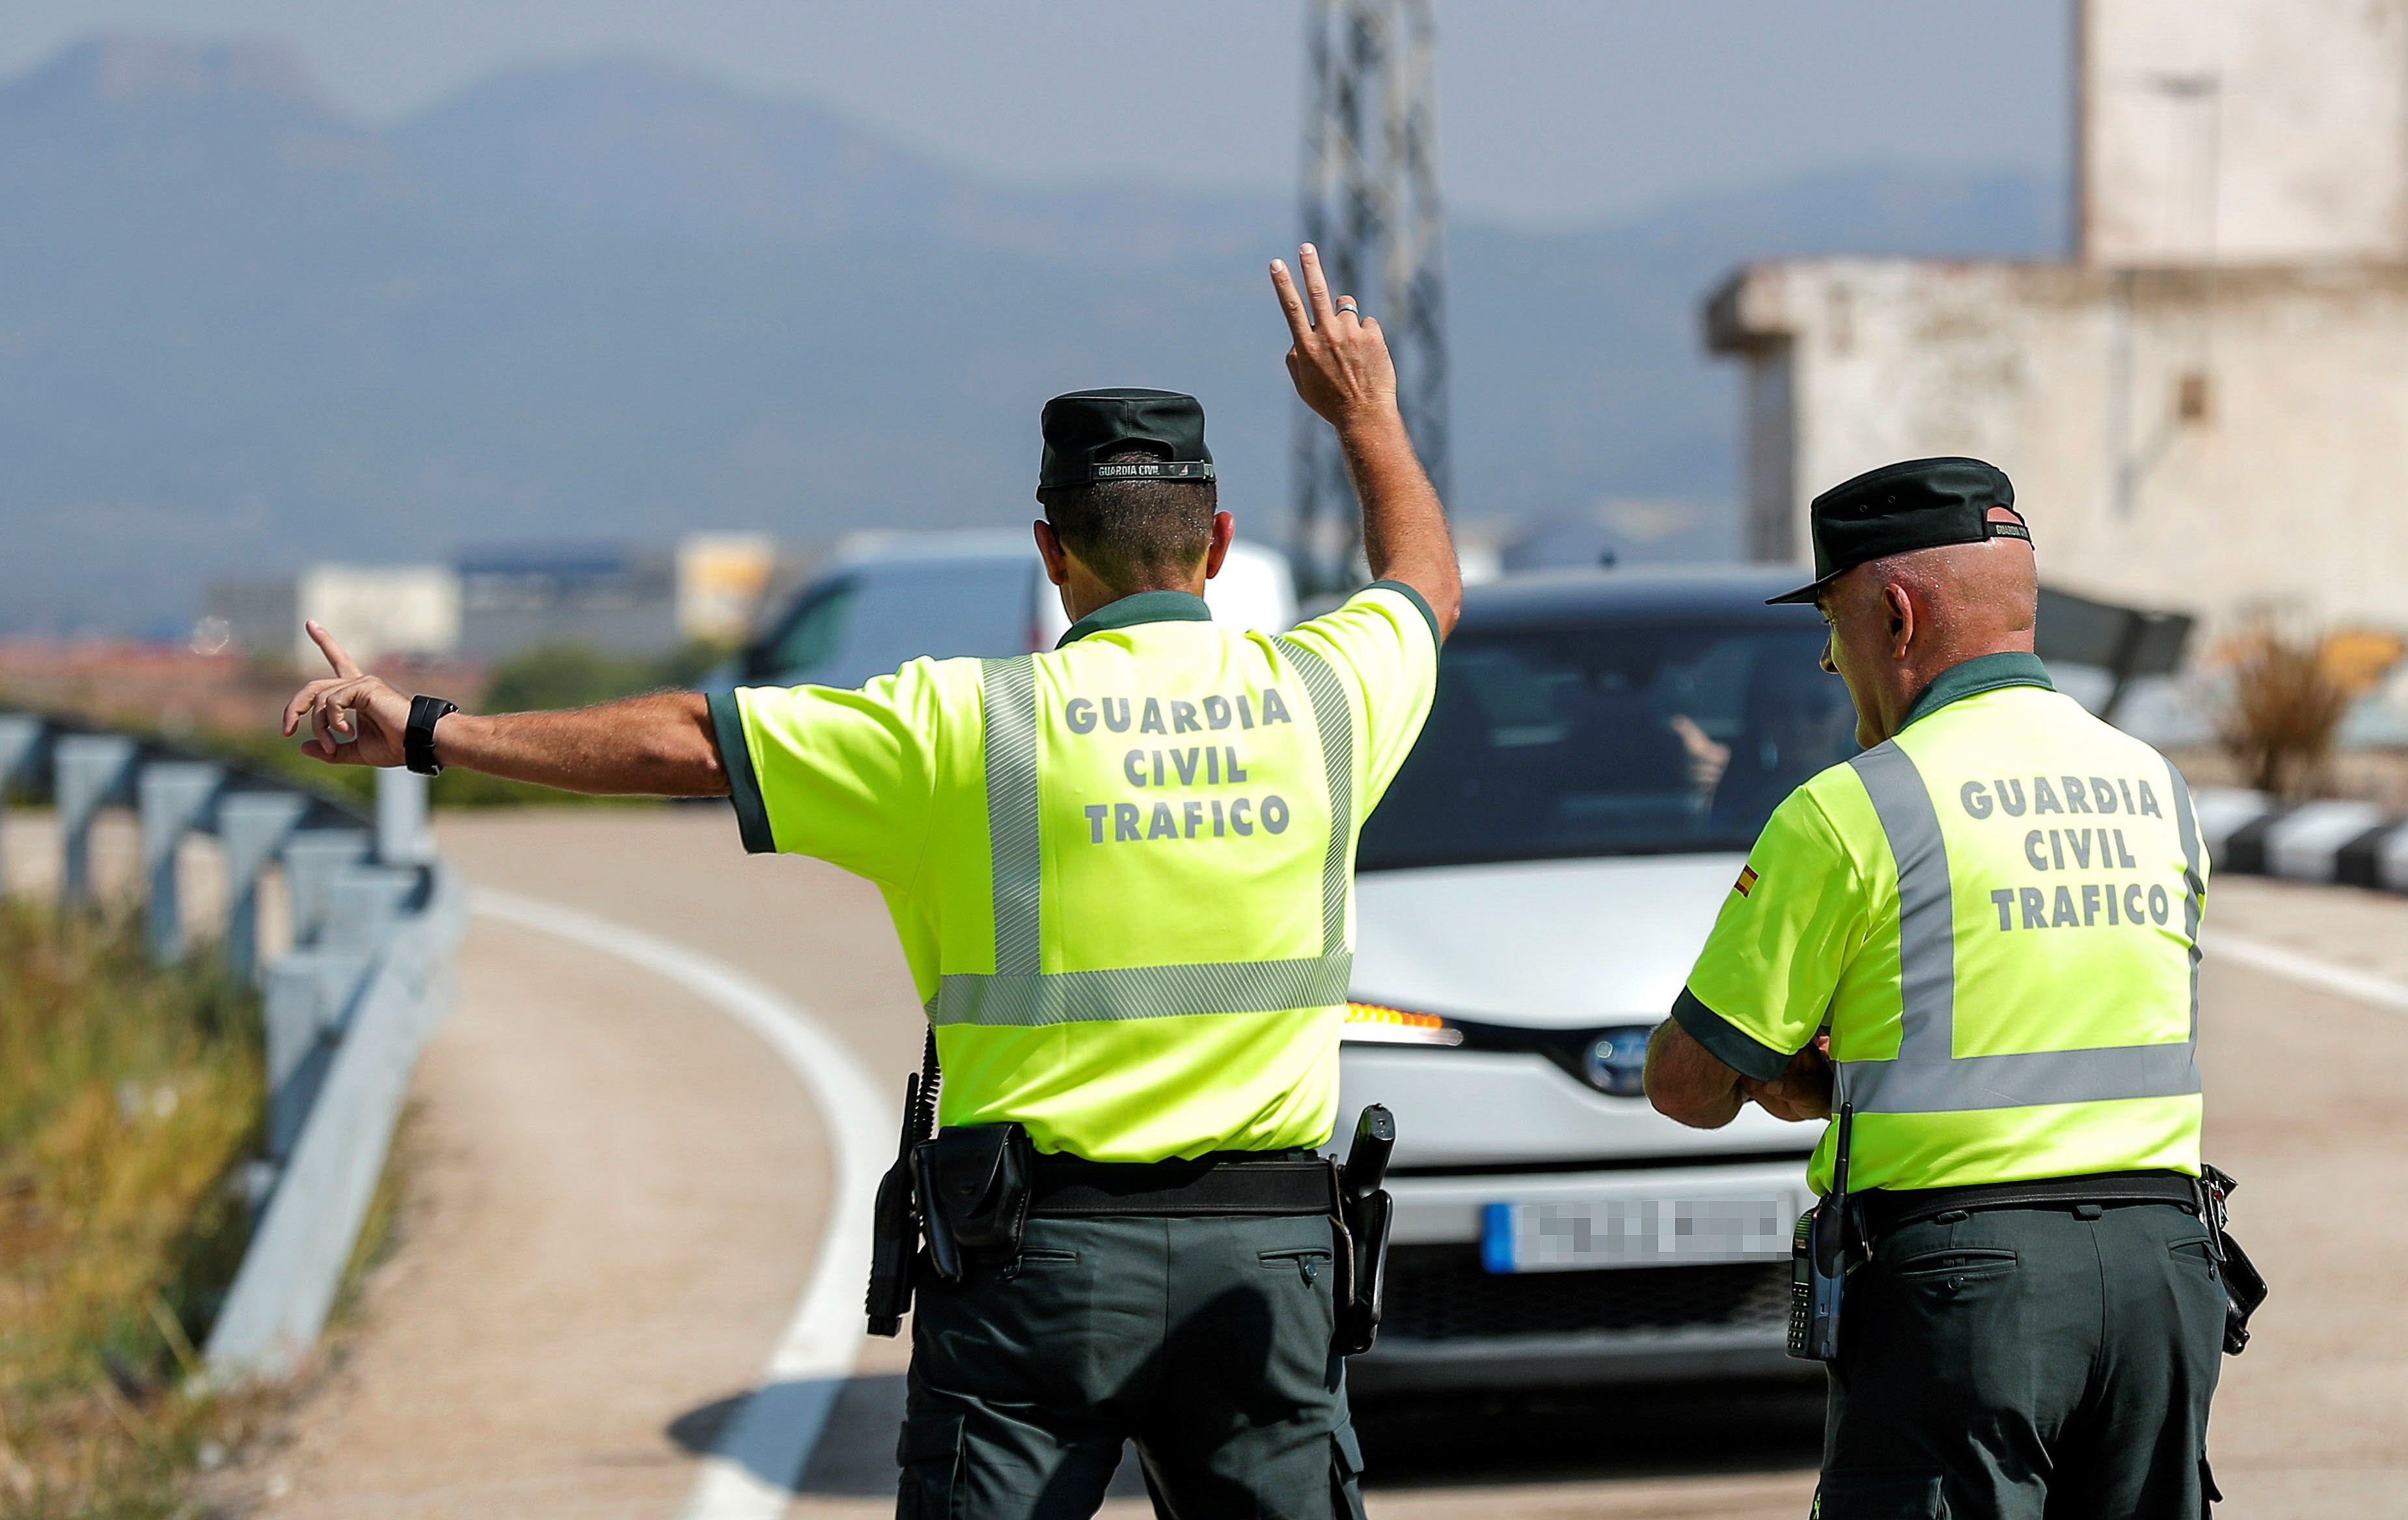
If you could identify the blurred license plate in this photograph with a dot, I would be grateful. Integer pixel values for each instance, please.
(1578, 1234)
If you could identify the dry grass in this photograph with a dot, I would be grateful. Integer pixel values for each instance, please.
(128, 1101)
(2289, 694)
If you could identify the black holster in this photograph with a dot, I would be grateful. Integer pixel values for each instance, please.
(2244, 1289)
(895, 1242)
(973, 1186)
(1365, 1214)
(894, 1221)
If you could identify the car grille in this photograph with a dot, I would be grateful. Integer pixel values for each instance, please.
(1443, 1293)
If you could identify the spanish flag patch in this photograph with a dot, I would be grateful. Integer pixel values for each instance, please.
(1746, 881)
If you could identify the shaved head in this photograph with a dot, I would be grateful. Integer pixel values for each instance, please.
(1898, 622)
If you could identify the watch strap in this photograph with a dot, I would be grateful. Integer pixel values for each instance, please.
(418, 739)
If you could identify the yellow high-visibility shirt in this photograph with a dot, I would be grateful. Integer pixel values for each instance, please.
(1121, 870)
(1996, 915)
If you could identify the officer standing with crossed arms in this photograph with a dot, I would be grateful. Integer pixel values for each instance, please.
(1122, 871)
(1979, 941)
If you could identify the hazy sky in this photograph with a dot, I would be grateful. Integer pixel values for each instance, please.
(1550, 110)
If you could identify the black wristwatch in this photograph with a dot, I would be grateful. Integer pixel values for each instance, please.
(418, 739)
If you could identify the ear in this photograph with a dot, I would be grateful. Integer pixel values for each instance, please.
(1224, 528)
(1050, 550)
(1900, 609)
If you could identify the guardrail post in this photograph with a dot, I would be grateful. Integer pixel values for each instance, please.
(253, 826)
(88, 770)
(174, 797)
(402, 835)
(362, 902)
(20, 757)
(311, 859)
(309, 1000)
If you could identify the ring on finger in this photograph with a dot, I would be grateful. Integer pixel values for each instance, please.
(1346, 304)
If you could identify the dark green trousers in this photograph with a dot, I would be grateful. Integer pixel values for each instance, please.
(2028, 1363)
(1207, 1342)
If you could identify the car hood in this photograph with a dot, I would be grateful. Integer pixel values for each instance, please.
(1549, 944)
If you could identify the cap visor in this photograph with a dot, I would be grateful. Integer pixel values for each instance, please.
(1805, 593)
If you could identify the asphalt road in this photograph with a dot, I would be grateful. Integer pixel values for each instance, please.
(617, 1198)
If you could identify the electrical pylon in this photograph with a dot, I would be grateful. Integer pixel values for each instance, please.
(1371, 203)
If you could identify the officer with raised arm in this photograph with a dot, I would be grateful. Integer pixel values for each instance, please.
(1122, 871)
(1979, 941)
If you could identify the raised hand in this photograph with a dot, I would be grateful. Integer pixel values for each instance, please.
(354, 719)
(1339, 359)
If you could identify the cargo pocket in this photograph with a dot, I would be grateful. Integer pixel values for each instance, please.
(1346, 1474)
(1880, 1496)
(2209, 1495)
(929, 1452)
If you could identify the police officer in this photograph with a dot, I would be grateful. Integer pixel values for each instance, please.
(1122, 874)
(1981, 937)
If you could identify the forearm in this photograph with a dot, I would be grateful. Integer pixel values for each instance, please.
(1687, 1083)
(1405, 536)
(659, 745)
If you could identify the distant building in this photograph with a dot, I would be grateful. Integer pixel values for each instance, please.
(603, 596)
(610, 596)
(376, 611)
(721, 580)
(494, 602)
(2204, 409)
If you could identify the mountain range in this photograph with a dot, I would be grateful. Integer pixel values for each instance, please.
(241, 329)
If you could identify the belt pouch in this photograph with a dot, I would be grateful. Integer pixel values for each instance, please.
(973, 1182)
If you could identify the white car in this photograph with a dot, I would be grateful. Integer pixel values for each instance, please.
(886, 599)
(1603, 750)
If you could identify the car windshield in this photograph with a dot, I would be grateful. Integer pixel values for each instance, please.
(880, 615)
(1610, 739)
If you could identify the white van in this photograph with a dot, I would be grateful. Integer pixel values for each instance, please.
(886, 599)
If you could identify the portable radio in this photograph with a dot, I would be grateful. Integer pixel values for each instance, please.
(1819, 1261)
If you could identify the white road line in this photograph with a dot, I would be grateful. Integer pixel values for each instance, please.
(760, 1453)
(2307, 970)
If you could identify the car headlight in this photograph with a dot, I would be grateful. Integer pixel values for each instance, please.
(1615, 1061)
(1376, 1024)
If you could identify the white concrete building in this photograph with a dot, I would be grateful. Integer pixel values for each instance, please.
(2207, 408)
(376, 611)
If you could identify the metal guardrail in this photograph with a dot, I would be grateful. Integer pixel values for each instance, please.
(374, 921)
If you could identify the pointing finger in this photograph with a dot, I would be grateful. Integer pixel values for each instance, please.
(343, 664)
(1316, 286)
(1300, 326)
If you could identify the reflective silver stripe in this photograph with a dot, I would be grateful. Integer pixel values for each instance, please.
(2194, 899)
(1927, 1077)
(1143, 992)
(1008, 688)
(1927, 924)
(2022, 1079)
(1336, 725)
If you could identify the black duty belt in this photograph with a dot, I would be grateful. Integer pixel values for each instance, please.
(1883, 1209)
(1298, 1181)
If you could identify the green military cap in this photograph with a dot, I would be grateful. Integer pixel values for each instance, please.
(1083, 426)
(1914, 504)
